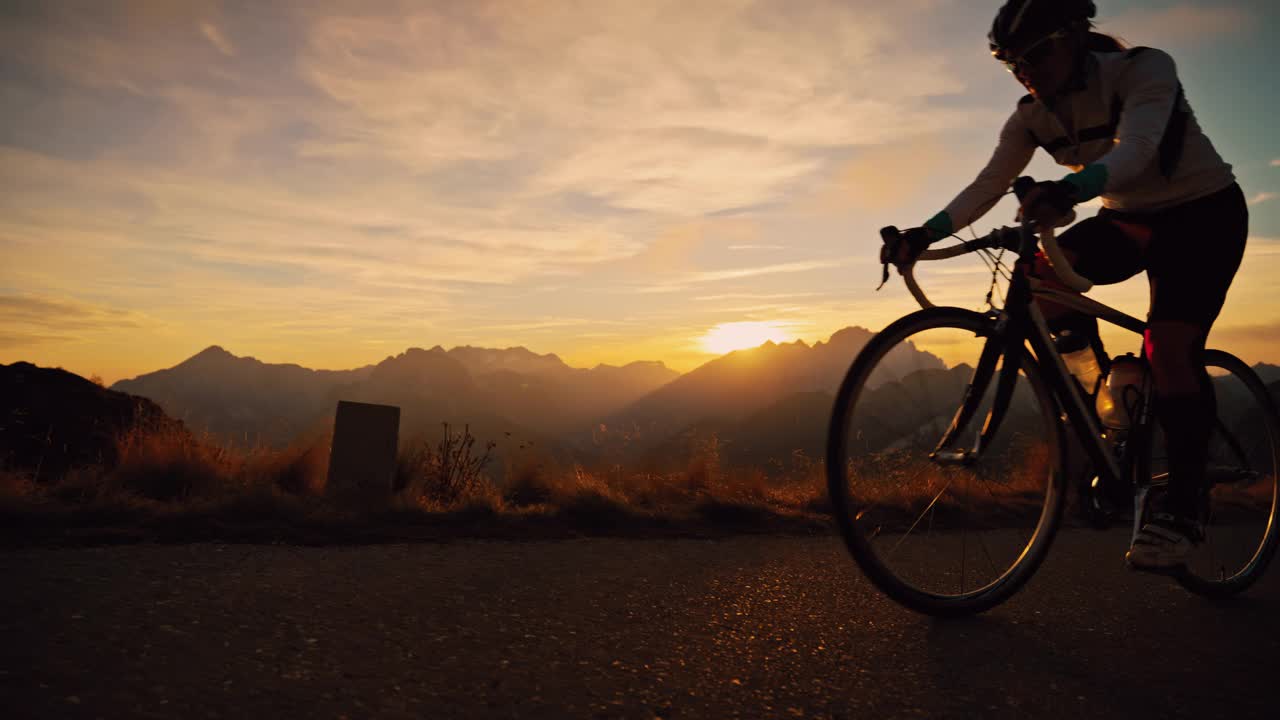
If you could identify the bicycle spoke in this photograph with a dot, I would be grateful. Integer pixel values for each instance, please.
(1025, 538)
(990, 561)
(921, 517)
(876, 504)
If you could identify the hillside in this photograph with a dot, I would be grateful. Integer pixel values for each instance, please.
(52, 420)
(742, 383)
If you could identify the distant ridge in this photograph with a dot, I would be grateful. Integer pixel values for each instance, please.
(514, 391)
(246, 401)
(747, 381)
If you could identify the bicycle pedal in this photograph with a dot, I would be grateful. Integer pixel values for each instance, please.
(1097, 508)
(954, 457)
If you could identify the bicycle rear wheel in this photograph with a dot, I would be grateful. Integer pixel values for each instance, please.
(1241, 534)
(943, 538)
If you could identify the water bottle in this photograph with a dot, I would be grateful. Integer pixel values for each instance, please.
(1126, 385)
(1077, 354)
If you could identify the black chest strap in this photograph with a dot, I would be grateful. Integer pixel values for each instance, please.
(1175, 136)
(1171, 143)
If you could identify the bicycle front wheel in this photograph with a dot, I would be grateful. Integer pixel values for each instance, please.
(944, 538)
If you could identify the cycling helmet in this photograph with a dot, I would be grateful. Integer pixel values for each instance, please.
(1022, 22)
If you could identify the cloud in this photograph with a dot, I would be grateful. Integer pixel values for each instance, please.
(691, 279)
(558, 323)
(1180, 24)
(1262, 197)
(63, 313)
(882, 177)
(657, 172)
(754, 296)
(724, 108)
(216, 37)
(730, 107)
(209, 221)
(25, 340)
(739, 273)
(29, 320)
(130, 45)
(1253, 342)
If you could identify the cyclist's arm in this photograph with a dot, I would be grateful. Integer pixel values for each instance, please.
(1010, 158)
(1149, 89)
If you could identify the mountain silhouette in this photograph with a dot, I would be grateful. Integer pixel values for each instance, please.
(431, 388)
(1268, 373)
(770, 400)
(543, 391)
(52, 421)
(744, 382)
(242, 400)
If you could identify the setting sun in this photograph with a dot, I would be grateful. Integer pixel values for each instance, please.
(727, 337)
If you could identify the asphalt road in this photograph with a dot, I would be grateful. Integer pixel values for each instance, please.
(749, 627)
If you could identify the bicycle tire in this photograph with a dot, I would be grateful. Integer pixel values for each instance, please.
(843, 503)
(1260, 557)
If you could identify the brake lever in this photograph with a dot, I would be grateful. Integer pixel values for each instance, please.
(1022, 186)
(890, 236)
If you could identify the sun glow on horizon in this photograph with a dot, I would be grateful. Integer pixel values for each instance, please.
(727, 337)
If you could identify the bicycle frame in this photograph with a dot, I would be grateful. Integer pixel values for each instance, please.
(1020, 323)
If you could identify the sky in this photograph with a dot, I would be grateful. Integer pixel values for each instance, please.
(330, 183)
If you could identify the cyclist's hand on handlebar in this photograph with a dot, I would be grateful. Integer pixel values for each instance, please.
(902, 248)
(1047, 204)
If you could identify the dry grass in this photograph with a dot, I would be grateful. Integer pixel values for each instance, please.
(173, 486)
(170, 484)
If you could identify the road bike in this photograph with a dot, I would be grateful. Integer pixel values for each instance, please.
(948, 451)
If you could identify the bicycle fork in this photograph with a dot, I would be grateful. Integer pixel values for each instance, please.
(999, 346)
(1008, 343)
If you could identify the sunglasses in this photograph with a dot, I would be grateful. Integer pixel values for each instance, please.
(1033, 55)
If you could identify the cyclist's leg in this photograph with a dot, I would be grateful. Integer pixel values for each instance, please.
(1192, 261)
(1185, 407)
(1103, 249)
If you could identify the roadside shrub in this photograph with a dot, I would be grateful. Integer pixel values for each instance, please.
(169, 466)
(446, 472)
(300, 469)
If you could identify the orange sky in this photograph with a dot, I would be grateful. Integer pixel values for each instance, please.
(305, 182)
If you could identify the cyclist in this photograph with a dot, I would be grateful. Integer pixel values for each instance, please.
(1118, 118)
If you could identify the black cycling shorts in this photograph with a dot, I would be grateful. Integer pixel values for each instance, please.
(1193, 254)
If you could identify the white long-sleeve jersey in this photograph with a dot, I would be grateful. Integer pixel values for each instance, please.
(1125, 128)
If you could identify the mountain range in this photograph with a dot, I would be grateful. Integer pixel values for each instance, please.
(242, 400)
(639, 409)
(760, 404)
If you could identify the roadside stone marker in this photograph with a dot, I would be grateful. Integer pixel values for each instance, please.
(362, 460)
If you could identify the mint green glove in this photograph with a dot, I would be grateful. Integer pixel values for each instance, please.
(939, 226)
(1089, 182)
